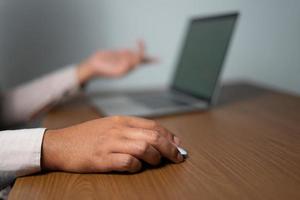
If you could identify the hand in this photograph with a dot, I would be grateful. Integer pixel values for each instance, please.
(112, 63)
(108, 144)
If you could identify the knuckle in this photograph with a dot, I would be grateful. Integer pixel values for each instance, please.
(142, 148)
(155, 137)
(127, 162)
(156, 124)
(117, 118)
(168, 135)
(114, 131)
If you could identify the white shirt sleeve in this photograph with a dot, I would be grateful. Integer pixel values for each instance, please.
(20, 150)
(22, 103)
(20, 153)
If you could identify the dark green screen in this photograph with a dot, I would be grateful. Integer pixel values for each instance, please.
(203, 54)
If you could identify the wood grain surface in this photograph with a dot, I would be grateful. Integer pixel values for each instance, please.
(245, 149)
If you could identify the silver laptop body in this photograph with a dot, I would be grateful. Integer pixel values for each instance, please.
(196, 80)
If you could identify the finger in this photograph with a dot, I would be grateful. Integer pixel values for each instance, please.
(120, 71)
(166, 133)
(130, 58)
(159, 142)
(150, 60)
(139, 149)
(126, 56)
(142, 58)
(141, 50)
(123, 162)
(122, 66)
(135, 59)
(136, 122)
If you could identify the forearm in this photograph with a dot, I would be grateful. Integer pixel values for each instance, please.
(22, 103)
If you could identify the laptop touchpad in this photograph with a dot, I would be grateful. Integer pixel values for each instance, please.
(119, 105)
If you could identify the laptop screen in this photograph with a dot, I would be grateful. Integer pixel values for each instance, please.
(203, 54)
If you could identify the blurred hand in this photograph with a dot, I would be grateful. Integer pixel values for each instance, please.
(108, 144)
(112, 63)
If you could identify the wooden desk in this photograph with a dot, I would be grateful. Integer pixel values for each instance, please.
(246, 148)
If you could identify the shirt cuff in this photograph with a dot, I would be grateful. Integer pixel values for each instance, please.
(21, 151)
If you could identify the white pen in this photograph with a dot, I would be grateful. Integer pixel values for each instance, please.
(182, 151)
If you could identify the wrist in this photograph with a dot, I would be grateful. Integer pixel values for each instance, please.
(50, 151)
(85, 73)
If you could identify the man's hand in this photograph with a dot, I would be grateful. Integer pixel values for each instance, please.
(108, 144)
(112, 63)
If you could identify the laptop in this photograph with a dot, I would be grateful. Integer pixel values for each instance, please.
(196, 80)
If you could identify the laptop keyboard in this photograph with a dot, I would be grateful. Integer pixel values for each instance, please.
(160, 100)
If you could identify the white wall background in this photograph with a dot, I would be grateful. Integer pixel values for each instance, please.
(38, 36)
